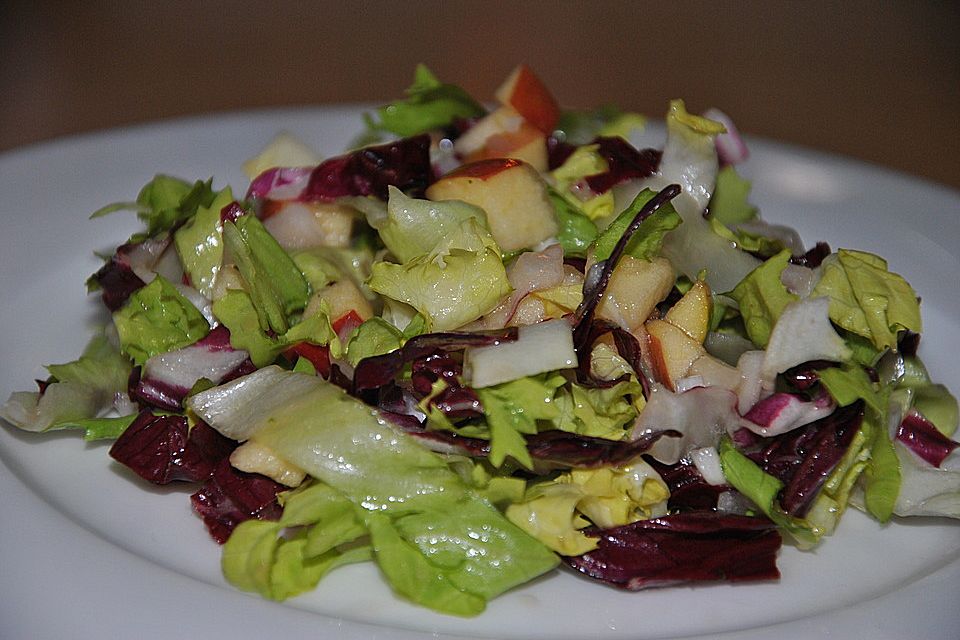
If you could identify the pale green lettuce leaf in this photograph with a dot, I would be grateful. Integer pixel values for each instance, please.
(157, 318)
(762, 297)
(276, 286)
(414, 227)
(867, 299)
(237, 312)
(374, 337)
(199, 243)
(81, 391)
(453, 286)
(729, 204)
(646, 242)
(512, 410)
(430, 104)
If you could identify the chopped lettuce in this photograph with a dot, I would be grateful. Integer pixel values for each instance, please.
(512, 410)
(576, 230)
(199, 243)
(453, 285)
(276, 286)
(163, 203)
(372, 338)
(601, 412)
(867, 299)
(430, 104)
(646, 242)
(413, 227)
(881, 478)
(425, 506)
(78, 394)
(237, 311)
(763, 297)
(157, 319)
(729, 204)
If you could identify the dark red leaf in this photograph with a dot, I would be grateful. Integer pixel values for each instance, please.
(924, 439)
(230, 497)
(689, 547)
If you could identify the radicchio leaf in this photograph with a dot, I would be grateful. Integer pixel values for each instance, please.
(924, 439)
(688, 547)
(803, 458)
(624, 163)
(161, 449)
(403, 163)
(116, 279)
(688, 489)
(376, 371)
(230, 497)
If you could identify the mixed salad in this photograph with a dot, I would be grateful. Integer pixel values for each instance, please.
(485, 343)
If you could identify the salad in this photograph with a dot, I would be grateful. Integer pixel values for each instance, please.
(488, 343)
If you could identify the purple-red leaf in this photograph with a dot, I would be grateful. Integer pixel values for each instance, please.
(229, 497)
(624, 163)
(404, 164)
(376, 371)
(924, 439)
(160, 449)
(803, 458)
(689, 547)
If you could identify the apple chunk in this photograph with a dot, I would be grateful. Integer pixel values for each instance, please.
(672, 352)
(527, 94)
(636, 287)
(512, 194)
(692, 312)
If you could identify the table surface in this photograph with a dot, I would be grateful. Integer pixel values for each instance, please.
(875, 81)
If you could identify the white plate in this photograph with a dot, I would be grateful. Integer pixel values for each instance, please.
(87, 551)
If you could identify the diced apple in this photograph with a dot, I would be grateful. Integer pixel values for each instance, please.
(500, 121)
(300, 225)
(636, 287)
(715, 373)
(526, 93)
(527, 144)
(691, 313)
(672, 352)
(284, 150)
(343, 297)
(511, 192)
(253, 457)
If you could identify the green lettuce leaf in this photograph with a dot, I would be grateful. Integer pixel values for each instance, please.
(452, 286)
(881, 477)
(372, 338)
(429, 105)
(163, 203)
(646, 242)
(598, 412)
(762, 298)
(729, 204)
(762, 489)
(867, 299)
(512, 409)
(237, 312)
(576, 230)
(156, 319)
(199, 243)
(414, 227)
(77, 394)
(276, 286)
(425, 507)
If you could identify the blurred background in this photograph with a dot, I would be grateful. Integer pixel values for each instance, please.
(879, 81)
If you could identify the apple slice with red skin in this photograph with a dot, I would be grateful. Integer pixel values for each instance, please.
(527, 94)
(511, 192)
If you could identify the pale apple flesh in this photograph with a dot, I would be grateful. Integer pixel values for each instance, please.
(513, 195)
(635, 289)
(692, 312)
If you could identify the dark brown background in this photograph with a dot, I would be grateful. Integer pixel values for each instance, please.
(877, 81)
